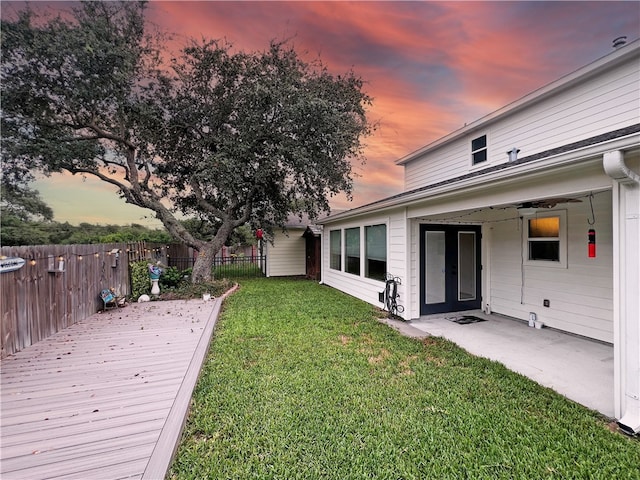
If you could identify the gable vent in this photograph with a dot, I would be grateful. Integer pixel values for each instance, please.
(513, 154)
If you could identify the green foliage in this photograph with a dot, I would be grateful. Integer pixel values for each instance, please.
(229, 137)
(19, 232)
(242, 236)
(171, 277)
(140, 283)
(174, 283)
(299, 125)
(23, 202)
(15, 231)
(303, 382)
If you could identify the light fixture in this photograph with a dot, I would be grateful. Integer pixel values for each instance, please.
(527, 211)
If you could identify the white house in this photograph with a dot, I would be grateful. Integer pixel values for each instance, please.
(533, 208)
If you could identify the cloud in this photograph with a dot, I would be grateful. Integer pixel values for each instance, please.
(430, 67)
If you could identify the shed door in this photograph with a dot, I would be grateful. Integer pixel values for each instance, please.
(312, 249)
(450, 268)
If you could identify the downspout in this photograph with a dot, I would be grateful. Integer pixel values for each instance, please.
(626, 278)
(322, 250)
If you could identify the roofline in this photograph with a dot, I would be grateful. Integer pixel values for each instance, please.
(622, 139)
(618, 56)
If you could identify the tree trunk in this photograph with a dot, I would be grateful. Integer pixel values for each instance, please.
(203, 266)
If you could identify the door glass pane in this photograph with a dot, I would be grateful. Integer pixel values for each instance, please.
(435, 271)
(466, 266)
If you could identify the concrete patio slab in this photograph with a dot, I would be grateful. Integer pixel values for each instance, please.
(578, 368)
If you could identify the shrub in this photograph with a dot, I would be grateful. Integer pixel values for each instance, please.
(171, 277)
(140, 283)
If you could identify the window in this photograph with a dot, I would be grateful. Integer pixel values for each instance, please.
(479, 150)
(352, 250)
(335, 247)
(546, 239)
(375, 265)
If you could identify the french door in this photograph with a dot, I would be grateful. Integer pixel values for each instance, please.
(449, 268)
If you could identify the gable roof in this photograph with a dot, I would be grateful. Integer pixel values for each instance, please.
(580, 147)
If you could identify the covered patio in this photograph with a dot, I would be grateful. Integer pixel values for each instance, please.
(581, 369)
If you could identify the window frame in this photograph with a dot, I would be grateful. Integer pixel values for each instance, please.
(347, 264)
(478, 150)
(362, 247)
(331, 253)
(561, 239)
(366, 258)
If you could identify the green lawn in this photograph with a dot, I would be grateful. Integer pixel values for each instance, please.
(303, 382)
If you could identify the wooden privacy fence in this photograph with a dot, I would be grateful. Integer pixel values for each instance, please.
(60, 284)
(57, 287)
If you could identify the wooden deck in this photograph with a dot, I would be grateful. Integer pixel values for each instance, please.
(107, 397)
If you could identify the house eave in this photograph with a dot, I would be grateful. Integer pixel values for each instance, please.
(497, 174)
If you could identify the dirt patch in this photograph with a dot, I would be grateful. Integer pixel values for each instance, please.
(438, 361)
(381, 357)
(405, 365)
(429, 341)
(367, 339)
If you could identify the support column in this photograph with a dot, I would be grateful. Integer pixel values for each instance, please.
(485, 277)
(626, 284)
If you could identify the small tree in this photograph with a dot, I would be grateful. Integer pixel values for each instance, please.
(231, 138)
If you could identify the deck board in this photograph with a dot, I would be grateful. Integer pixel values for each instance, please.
(105, 398)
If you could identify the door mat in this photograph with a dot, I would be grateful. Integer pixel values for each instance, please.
(467, 319)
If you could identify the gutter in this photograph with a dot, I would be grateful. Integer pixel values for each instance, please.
(614, 166)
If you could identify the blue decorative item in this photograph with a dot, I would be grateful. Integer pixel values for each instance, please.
(154, 274)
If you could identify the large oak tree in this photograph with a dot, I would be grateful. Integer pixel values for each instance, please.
(222, 135)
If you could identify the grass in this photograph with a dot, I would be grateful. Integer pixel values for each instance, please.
(303, 382)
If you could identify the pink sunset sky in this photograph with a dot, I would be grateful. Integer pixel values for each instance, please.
(430, 67)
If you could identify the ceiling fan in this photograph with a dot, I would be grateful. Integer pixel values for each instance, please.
(547, 203)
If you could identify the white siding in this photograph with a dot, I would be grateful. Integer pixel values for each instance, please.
(367, 289)
(600, 104)
(581, 295)
(287, 255)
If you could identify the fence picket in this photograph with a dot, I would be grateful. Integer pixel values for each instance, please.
(39, 299)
